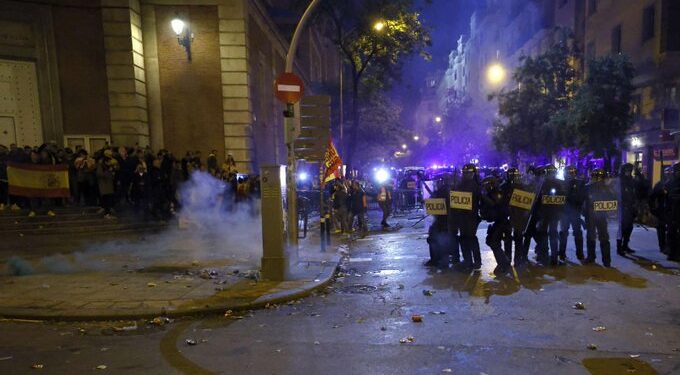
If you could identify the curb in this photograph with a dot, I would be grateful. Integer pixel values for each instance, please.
(262, 301)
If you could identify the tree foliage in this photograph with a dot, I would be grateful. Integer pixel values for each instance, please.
(374, 57)
(550, 109)
(533, 114)
(381, 132)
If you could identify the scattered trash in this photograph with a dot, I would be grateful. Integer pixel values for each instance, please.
(649, 334)
(208, 274)
(438, 312)
(317, 343)
(653, 266)
(151, 285)
(37, 366)
(190, 342)
(579, 306)
(383, 328)
(160, 321)
(6, 358)
(101, 367)
(427, 292)
(447, 370)
(103, 349)
(125, 328)
(599, 328)
(407, 339)
(278, 350)
(592, 346)
(634, 356)
(441, 347)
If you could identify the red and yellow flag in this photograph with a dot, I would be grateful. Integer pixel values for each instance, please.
(332, 162)
(38, 180)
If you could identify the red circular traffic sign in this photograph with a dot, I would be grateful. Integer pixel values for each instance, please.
(289, 88)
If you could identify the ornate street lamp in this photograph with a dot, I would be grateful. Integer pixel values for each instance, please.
(184, 34)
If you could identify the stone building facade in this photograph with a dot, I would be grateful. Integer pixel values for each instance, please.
(90, 72)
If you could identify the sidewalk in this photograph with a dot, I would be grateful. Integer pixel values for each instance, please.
(169, 289)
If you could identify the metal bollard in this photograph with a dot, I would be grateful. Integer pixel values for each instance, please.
(322, 227)
(328, 229)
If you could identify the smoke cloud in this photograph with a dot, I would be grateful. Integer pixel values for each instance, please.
(212, 232)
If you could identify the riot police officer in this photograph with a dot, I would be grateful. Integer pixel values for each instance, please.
(551, 201)
(438, 238)
(600, 200)
(627, 208)
(519, 214)
(535, 176)
(571, 216)
(672, 207)
(464, 218)
(494, 209)
(657, 206)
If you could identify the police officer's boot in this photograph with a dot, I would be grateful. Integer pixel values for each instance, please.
(455, 249)
(564, 236)
(578, 241)
(624, 245)
(476, 254)
(619, 248)
(590, 245)
(606, 254)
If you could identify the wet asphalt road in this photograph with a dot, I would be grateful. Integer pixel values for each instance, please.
(471, 324)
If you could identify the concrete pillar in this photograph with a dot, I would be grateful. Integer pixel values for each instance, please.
(153, 84)
(122, 24)
(238, 140)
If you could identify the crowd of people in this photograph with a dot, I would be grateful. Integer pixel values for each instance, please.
(117, 176)
(540, 207)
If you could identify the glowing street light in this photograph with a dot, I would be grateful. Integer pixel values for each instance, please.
(379, 26)
(495, 74)
(177, 26)
(636, 142)
(415, 137)
(404, 146)
(438, 119)
(382, 175)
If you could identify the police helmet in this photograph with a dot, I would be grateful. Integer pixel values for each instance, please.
(469, 168)
(598, 174)
(626, 169)
(513, 174)
(489, 182)
(550, 170)
(539, 171)
(676, 169)
(571, 171)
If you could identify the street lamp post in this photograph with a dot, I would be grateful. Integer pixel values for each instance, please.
(291, 187)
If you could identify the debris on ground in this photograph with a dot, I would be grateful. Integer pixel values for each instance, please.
(101, 367)
(6, 358)
(125, 328)
(417, 318)
(438, 312)
(427, 292)
(383, 328)
(317, 343)
(160, 321)
(634, 356)
(37, 366)
(208, 274)
(401, 286)
(407, 339)
(592, 346)
(579, 306)
(599, 328)
(190, 342)
(447, 370)
(151, 285)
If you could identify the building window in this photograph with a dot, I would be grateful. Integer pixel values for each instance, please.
(648, 23)
(590, 50)
(670, 26)
(592, 7)
(616, 39)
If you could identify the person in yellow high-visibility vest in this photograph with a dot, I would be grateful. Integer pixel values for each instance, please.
(385, 203)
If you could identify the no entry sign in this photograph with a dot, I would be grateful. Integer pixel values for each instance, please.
(289, 88)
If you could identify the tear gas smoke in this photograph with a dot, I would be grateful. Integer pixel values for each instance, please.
(213, 232)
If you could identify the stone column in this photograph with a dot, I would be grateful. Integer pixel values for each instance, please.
(238, 140)
(125, 72)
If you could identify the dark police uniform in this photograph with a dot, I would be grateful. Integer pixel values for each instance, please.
(518, 217)
(438, 236)
(551, 201)
(571, 216)
(627, 209)
(672, 207)
(494, 209)
(657, 206)
(598, 206)
(463, 221)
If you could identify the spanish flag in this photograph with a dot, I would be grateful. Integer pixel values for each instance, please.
(332, 162)
(38, 180)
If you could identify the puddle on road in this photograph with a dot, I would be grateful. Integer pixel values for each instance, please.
(358, 289)
(385, 272)
(614, 366)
